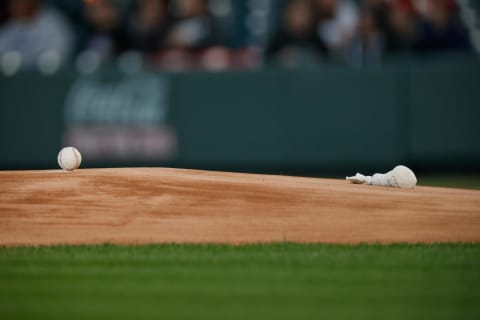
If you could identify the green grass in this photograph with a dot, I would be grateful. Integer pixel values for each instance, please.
(274, 281)
(451, 181)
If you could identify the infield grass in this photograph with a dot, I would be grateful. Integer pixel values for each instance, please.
(271, 281)
(451, 181)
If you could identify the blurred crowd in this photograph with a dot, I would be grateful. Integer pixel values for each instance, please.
(365, 33)
(191, 34)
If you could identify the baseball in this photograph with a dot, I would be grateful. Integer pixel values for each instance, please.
(69, 158)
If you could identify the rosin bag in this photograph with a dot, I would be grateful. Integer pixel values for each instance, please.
(399, 177)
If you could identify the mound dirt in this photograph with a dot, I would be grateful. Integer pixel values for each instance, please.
(156, 205)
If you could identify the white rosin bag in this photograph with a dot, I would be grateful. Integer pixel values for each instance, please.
(398, 177)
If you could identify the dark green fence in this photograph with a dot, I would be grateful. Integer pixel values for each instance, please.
(289, 121)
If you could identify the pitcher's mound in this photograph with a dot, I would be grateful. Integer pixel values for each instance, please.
(152, 205)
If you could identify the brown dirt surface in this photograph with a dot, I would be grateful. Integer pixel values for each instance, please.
(155, 205)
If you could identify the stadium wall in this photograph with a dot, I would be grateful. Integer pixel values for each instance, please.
(326, 119)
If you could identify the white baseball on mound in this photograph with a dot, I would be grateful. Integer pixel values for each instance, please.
(69, 158)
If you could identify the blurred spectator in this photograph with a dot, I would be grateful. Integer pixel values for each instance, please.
(337, 20)
(35, 29)
(193, 28)
(411, 27)
(297, 37)
(3, 12)
(380, 9)
(148, 26)
(368, 44)
(441, 28)
(105, 34)
(403, 27)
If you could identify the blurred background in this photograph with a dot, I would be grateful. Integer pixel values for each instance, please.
(308, 87)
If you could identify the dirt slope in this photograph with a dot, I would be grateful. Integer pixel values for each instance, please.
(144, 205)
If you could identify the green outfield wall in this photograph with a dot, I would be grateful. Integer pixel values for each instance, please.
(326, 119)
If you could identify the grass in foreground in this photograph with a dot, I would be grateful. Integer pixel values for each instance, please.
(276, 281)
